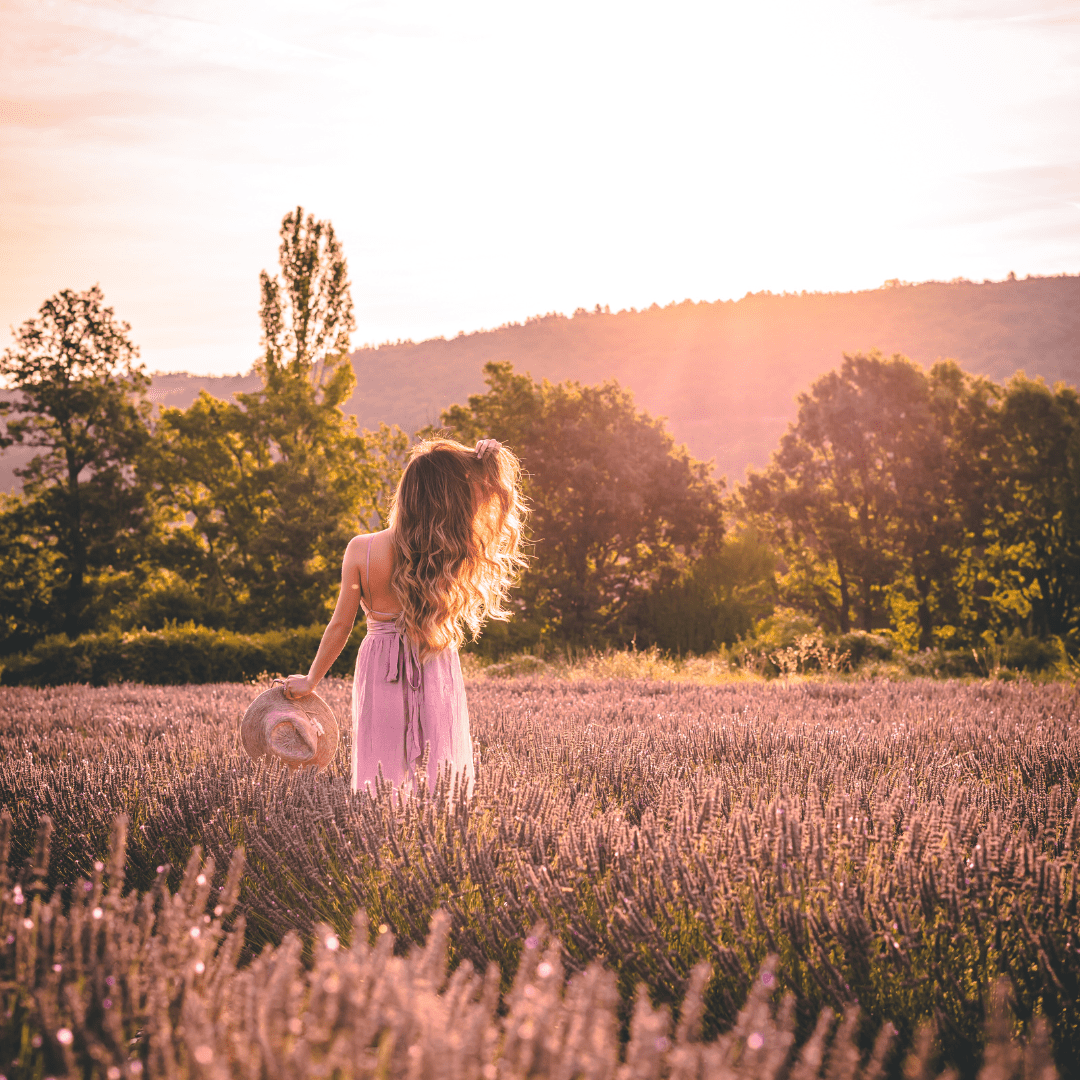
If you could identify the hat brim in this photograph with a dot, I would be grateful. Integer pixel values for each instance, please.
(253, 733)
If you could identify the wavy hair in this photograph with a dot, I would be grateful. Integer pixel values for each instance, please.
(455, 525)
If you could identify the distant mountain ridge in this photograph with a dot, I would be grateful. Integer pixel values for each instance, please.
(724, 373)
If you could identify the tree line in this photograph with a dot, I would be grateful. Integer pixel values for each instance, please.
(940, 508)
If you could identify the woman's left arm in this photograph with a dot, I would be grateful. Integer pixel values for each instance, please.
(338, 629)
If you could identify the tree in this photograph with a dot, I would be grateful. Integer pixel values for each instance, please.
(31, 575)
(938, 505)
(271, 487)
(1022, 560)
(857, 498)
(713, 600)
(79, 400)
(615, 502)
(307, 319)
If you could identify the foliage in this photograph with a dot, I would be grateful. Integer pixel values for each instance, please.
(267, 491)
(713, 602)
(174, 655)
(857, 483)
(901, 847)
(32, 578)
(307, 317)
(78, 400)
(935, 505)
(617, 506)
(1024, 564)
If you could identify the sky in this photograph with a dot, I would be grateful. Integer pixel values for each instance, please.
(487, 161)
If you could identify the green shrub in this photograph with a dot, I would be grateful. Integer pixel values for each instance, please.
(173, 656)
(781, 629)
(861, 645)
(944, 663)
(1030, 653)
(1015, 654)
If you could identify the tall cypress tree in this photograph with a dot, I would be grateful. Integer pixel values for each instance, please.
(273, 485)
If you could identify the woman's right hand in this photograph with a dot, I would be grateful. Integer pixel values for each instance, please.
(297, 686)
(484, 447)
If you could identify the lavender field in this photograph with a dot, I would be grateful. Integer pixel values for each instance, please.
(652, 879)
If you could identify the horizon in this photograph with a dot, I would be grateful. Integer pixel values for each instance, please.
(483, 162)
(582, 311)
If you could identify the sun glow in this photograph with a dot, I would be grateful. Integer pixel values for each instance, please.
(483, 162)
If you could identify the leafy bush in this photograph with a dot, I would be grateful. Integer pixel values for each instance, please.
(901, 846)
(173, 656)
(861, 645)
(713, 603)
(781, 629)
(1002, 659)
(1028, 653)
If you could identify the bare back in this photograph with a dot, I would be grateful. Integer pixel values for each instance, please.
(376, 595)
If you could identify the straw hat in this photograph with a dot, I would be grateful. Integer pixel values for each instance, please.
(301, 731)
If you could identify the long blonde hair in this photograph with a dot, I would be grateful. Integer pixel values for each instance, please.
(455, 524)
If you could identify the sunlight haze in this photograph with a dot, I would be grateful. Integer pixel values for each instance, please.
(483, 162)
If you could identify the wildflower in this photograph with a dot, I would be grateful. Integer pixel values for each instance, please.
(755, 1041)
(204, 1055)
(332, 942)
(97, 913)
(64, 1037)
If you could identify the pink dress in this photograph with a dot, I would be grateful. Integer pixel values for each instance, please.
(399, 705)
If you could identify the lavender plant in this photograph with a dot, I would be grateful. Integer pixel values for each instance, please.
(897, 849)
(133, 987)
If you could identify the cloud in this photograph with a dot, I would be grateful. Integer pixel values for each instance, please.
(993, 196)
(1049, 13)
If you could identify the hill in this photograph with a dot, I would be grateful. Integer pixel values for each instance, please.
(725, 373)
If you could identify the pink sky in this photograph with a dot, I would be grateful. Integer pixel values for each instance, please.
(486, 161)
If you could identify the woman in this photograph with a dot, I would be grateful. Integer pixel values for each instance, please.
(443, 567)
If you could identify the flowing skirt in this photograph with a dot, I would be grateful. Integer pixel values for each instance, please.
(400, 705)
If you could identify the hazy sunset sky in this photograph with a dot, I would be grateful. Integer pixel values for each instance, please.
(483, 162)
